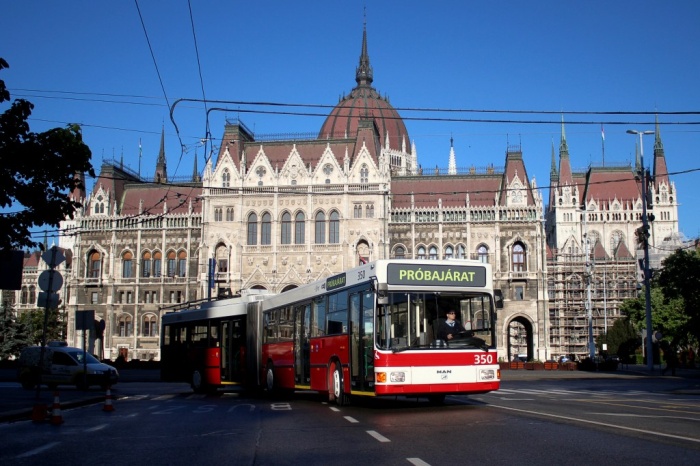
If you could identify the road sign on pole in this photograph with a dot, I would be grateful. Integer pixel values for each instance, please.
(50, 278)
(53, 257)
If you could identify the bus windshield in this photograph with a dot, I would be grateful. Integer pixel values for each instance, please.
(413, 321)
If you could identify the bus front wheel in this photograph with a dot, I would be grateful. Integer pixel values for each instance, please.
(337, 385)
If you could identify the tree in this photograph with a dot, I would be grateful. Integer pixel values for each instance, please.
(622, 338)
(667, 316)
(680, 282)
(13, 334)
(34, 322)
(37, 172)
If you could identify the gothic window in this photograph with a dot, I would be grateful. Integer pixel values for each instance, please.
(221, 258)
(149, 325)
(433, 253)
(146, 264)
(124, 325)
(357, 211)
(25, 295)
(449, 252)
(519, 258)
(252, 229)
(461, 252)
(334, 228)
(157, 263)
(127, 265)
(400, 253)
(328, 169)
(299, 228)
(286, 230)
(171, 263)
(266, 229)
(229, 214)
(483, 254)
(32, 295)
(615, 239)
(320, 228)
(421, 253)
(218, 215)
(95, 260)
(364, 174)
(225, 178)
(369, 211)
(182, 264)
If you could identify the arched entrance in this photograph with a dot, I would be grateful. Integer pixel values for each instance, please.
(520, 339)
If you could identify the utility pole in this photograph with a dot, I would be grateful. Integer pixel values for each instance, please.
(644, 238)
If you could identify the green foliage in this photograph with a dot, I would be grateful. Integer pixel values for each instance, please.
(667, 315)
(37, 172)
(14, 335)
(34, 322)
(622, 338)
(680, 282)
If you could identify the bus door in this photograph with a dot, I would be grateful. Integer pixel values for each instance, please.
(302, 326)
(362, 341)
(233, 350)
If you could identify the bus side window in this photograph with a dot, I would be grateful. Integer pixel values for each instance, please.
(319, 312)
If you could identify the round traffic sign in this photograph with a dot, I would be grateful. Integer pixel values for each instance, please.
(52, 276)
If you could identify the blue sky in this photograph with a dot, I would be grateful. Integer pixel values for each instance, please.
(89, 62)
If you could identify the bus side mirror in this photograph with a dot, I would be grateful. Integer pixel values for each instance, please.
(498, 297)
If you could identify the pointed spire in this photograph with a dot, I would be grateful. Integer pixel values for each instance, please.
(563, 146)
(363, 73)
(660, 168)
(161, 175)
(553, 173)
(452, 164)
(195, 172)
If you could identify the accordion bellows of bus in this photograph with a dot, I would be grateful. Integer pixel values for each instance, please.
(374, 330)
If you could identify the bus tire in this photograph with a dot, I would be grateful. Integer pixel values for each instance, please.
(269, 379)
(336, 388)
(196, 381)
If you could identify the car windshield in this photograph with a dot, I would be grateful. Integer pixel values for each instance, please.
(414, 320)
(78, 356)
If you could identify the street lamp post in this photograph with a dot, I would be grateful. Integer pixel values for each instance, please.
(645, 244)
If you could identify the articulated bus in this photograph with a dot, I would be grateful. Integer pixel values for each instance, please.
(205, 343)
(371, 330)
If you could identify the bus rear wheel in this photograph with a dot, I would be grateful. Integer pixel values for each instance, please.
(336, 388)
(270, 379)
(196, 382)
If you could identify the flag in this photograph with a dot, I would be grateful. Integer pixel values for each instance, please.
(602, 132)
(363, 260)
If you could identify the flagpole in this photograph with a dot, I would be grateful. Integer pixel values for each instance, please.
(602, 134)
(139, 157)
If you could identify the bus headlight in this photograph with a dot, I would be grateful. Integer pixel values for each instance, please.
(398, 377)
(487, 374)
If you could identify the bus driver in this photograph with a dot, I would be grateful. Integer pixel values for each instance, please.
(450, 327)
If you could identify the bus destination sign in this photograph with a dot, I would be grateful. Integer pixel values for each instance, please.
(436, 275)
(336, 281)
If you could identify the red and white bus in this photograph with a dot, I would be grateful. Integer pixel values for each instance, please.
(372, 330)
(205, 343)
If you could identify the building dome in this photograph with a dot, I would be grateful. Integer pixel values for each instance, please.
(365, 102)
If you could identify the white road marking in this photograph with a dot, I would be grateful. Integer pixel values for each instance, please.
(333, 408)
(417, 462)
(96, 428)
(351, 419)
(37, 450)
(378, 436)
(604, 424)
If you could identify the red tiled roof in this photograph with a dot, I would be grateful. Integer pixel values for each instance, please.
(156, 196)
(453, 190)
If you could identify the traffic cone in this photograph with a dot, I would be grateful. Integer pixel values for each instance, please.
(56, 418)
(108, 401)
